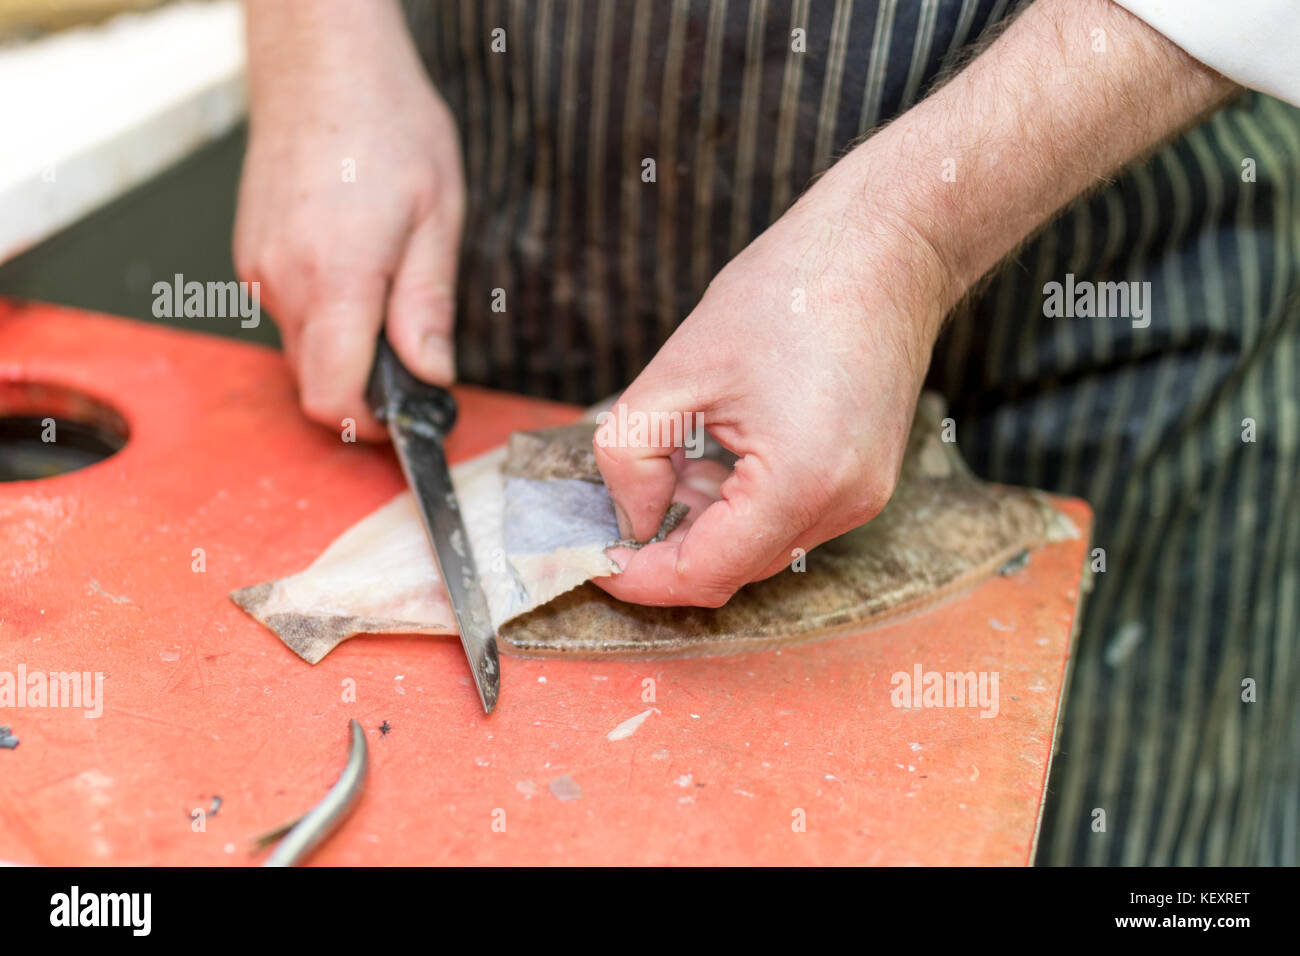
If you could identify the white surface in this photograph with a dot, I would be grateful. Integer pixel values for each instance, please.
(87, 114)
(1254, 42)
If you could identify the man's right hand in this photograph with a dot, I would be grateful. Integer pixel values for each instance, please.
(352, 198)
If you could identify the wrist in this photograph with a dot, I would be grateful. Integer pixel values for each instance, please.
(910, 181)
(897, 247)
(972, 170)
(308, 48)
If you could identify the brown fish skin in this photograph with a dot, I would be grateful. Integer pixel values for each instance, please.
(564, 452)
(566, 627)
(943, 533)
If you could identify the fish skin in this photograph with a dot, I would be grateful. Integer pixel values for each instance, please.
(943, 532)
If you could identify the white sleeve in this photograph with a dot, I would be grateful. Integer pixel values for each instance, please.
(1253, 42)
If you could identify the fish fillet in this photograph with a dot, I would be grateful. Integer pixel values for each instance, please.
(540, 521)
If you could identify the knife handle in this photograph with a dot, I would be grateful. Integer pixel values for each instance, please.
(394, 393)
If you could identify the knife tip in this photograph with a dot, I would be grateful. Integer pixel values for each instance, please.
(487, 677)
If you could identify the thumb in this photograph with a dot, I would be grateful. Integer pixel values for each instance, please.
(634, 444)
(422, 302)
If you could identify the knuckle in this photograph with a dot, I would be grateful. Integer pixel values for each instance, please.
(424, 301)
(267, 263)
(426, 193)
(711, 589)
(251, 260)
(246, 264)
(808, 509)
(606, 447)
(868, 500)
(304, 261)
(816, 496)
(713, 595)
(298, 252)
(856, 489)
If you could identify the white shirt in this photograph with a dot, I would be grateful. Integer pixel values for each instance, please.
(1253, 42)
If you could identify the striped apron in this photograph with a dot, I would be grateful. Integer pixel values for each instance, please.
(590, 269)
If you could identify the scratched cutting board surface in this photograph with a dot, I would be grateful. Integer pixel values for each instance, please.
(199, 701)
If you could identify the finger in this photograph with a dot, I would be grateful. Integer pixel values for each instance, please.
(734, 541)
(635, 457)
(287, 319)
(800, 547)
(283, 311)
(653, 567)
(335, 349)
(648, 577)
(831, 524)
(290, 333)
(422, 303)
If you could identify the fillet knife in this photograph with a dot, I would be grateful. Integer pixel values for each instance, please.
(419, 416)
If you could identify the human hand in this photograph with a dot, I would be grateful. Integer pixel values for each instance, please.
(817, 404)
(352, 200)
(805, 357)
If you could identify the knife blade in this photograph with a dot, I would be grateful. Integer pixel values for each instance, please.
(419, 416)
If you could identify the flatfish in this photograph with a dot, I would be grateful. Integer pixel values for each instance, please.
(540, 523)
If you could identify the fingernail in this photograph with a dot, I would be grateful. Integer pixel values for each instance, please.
(437, 357)
(624, 526)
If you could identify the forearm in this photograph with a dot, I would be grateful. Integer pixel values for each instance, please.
(295, 43)
(1038, 118)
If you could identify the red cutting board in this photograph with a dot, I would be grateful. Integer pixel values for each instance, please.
(786, 757)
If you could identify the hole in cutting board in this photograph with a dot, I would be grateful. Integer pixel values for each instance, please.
(48, 430)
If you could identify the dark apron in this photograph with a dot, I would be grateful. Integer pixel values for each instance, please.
(1201, 530)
